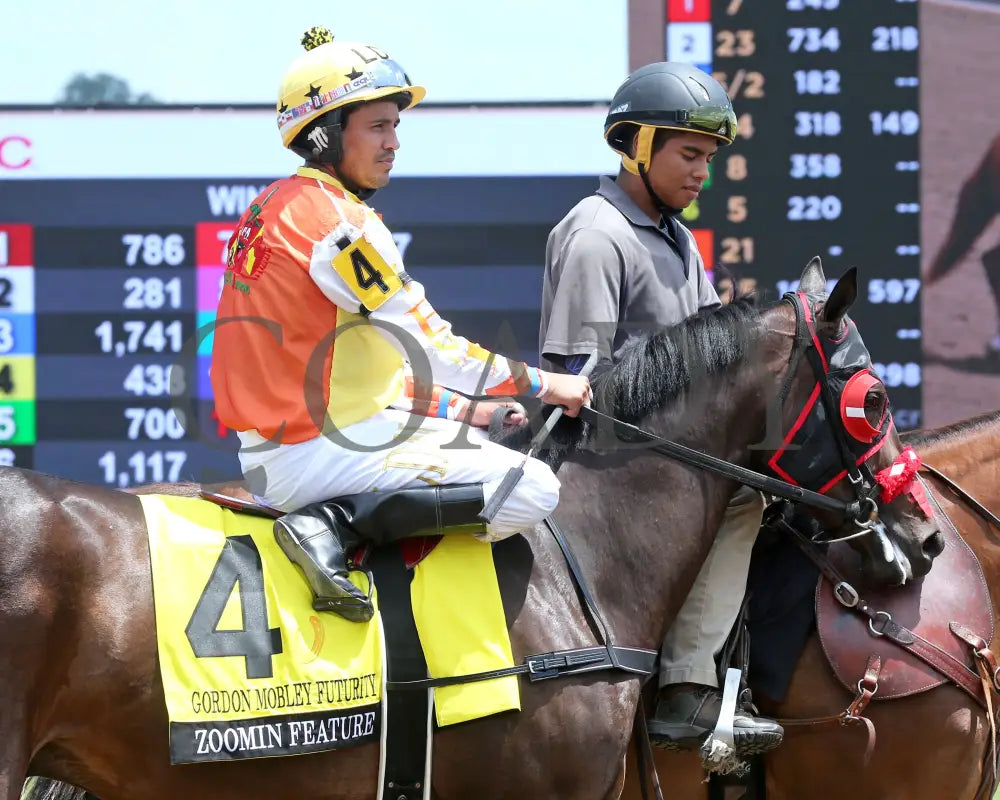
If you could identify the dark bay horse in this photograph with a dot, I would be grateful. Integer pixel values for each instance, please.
(930, 746)
(81, 699)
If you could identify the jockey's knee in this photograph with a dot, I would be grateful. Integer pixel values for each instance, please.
(533, 499)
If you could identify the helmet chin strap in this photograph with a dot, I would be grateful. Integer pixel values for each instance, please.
(327, 150)
(637, 166)
(664, 209)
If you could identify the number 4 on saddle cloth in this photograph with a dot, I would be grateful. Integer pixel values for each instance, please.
(251, 670)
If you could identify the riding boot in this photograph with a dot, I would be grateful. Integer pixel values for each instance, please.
(386, 517)
(318, 536)
(318, 544)
(687, 713)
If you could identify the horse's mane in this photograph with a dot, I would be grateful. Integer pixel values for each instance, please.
(656, 368)
(662, 365)
(930, 436)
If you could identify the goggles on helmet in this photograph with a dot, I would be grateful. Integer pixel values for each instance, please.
(381, 74)
(715, 120)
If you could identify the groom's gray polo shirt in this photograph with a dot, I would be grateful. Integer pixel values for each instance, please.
(612, 275)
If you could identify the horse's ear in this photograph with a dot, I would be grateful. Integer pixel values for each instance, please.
(813, 281)
(842, 297)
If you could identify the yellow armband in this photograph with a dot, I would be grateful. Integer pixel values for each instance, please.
(372, 279)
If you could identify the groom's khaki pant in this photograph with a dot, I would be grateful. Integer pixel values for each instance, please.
(707, 616)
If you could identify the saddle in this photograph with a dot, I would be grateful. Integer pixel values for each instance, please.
(888, 643)
(921, 636)
(406, 749)
(906, 640)
(406, 742)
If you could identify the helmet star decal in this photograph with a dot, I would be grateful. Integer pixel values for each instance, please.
(331, 75)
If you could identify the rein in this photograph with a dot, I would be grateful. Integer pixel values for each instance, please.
(726, 469)
(863, 510)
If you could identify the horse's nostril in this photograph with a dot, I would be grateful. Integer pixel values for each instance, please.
(934, 545)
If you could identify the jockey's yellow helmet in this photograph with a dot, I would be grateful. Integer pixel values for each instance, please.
(331, 75)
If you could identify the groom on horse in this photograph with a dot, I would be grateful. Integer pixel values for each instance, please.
(620, 265)
(331, 364)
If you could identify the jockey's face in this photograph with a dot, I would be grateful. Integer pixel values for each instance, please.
(370, 144)
(679, 168)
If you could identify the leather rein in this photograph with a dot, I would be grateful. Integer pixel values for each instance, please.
(863, 510)
(726, 469)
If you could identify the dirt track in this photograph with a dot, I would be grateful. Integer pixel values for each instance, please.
(960, 101)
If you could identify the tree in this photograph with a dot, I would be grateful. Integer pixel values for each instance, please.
(102, 89)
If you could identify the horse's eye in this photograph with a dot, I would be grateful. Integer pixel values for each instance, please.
(875, 404)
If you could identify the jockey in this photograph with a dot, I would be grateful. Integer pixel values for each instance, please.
(331, 364)
(621, 265)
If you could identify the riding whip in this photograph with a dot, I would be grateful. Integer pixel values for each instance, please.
(514, 474)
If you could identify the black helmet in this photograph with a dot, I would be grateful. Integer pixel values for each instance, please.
(667, 94)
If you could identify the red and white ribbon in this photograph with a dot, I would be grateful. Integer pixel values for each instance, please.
(900, 478)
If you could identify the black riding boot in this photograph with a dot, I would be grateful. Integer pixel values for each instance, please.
(318, 542)
(317, 536)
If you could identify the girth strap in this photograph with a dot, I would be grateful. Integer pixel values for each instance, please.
(557, 664)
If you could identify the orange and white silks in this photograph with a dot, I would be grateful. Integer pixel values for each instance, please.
(317, 316)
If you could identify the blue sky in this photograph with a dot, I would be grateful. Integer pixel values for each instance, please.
(188, 51)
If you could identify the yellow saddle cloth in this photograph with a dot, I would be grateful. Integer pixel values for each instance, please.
(250, 670)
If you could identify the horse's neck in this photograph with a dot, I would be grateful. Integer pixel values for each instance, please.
(971, 458)
(642, 523)
(971, 455)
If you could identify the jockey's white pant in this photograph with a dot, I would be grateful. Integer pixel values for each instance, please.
(441, 451)
(703, 624)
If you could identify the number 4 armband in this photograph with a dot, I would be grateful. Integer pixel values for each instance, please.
(369, 276)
